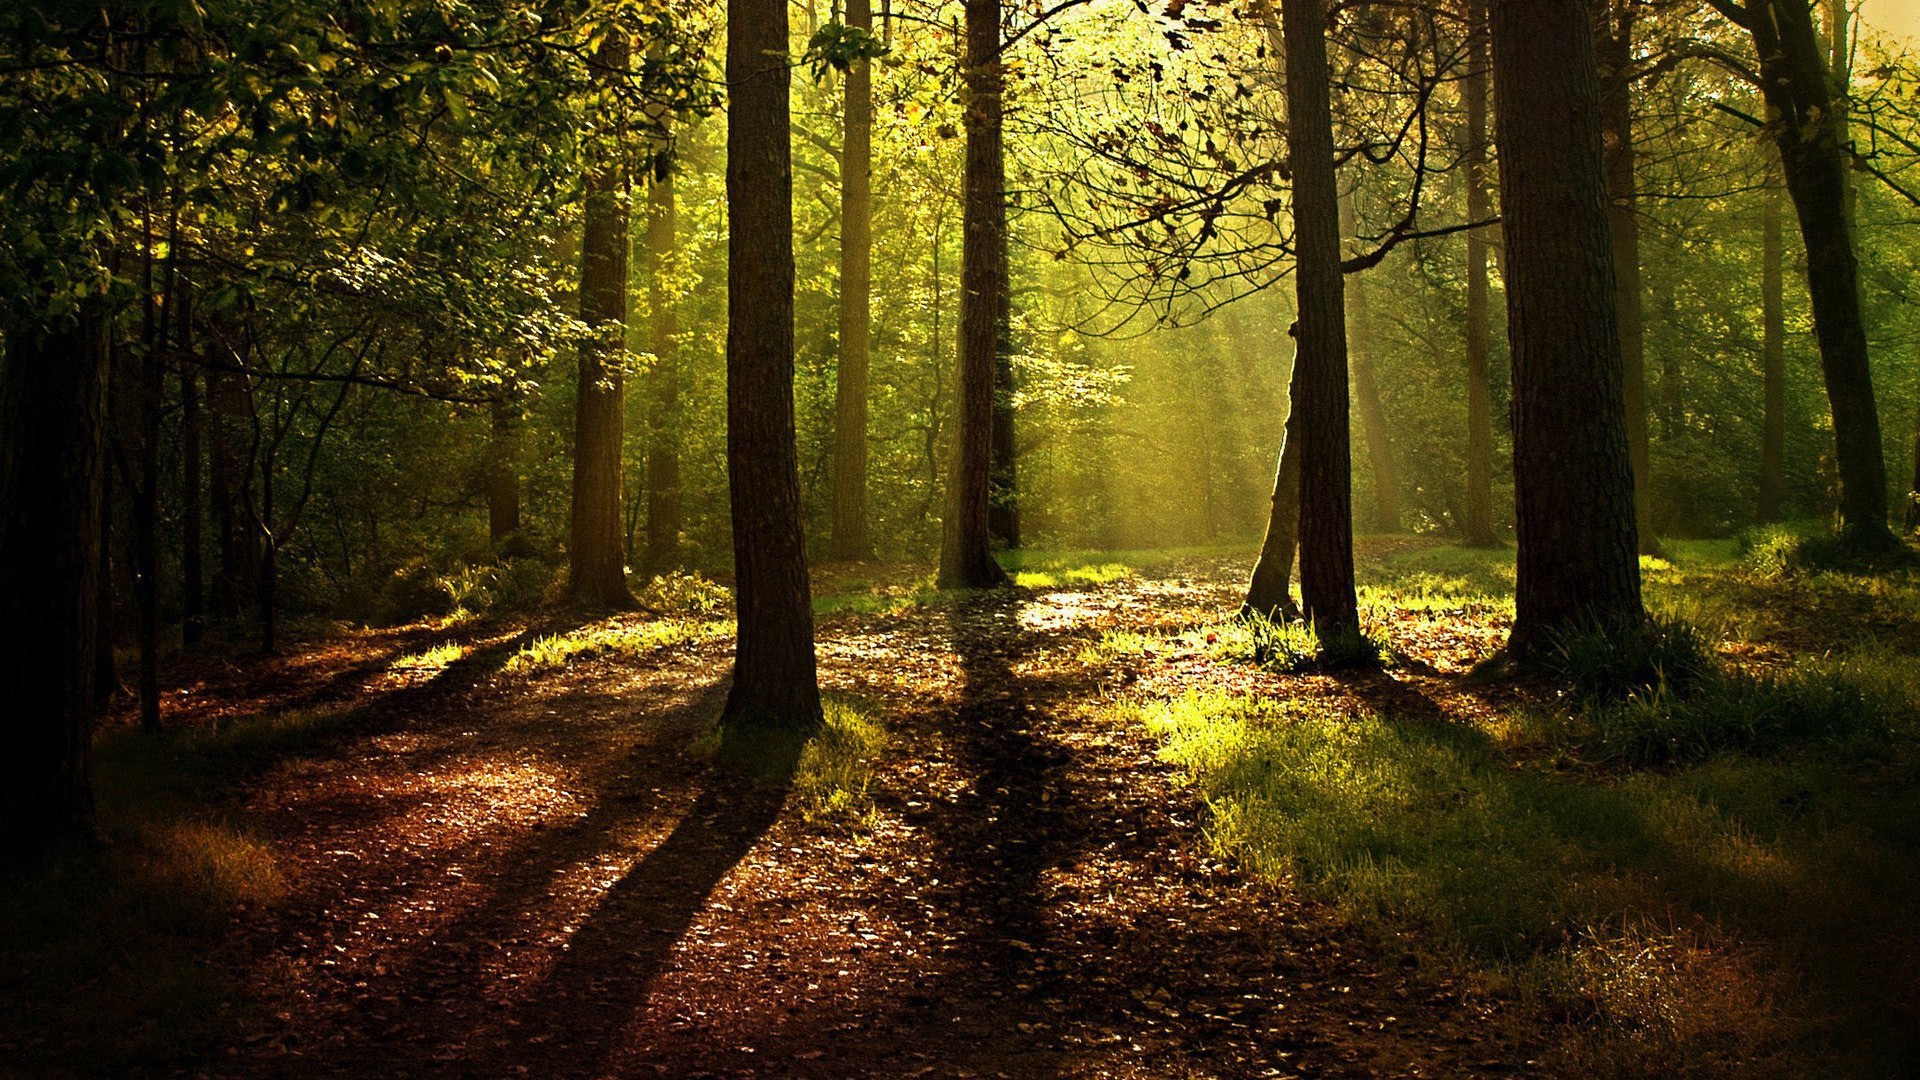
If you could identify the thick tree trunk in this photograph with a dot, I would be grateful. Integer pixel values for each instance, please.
(1773, 363)
(1320, 400)
(502, 465)
(1268, 593)
(52, 455)
(850, 538)
(966, 558)
(1794, 79)
(774, 681)
(663, 399)
(1366, 394)
(1573, 483)
(597, 548)
(1615, 50)
(1477, 527)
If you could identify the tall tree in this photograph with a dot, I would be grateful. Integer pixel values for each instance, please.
(851, 538)
(1477, 528)
(663, 401)
(775, 686)
(1268, 593)
(966, 558)
(597, 548)
(1615, 49)
(1320, 399)
(52, 456)
(1773, 423)
(501, 465)
(1573, 483)
(1815, 158)
(1368, 407)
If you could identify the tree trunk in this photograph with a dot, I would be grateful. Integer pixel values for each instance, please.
(1003, 505)
(663, 400)
(1268, 593)
(597, 548)
(1477, 527)
(1320, 400)
(1573, 483)
(774, 681)
(193, 619)
(1773, 424)
(966, 560)
(149, 380)
(502, 461)
(1366, 394)
(52, 456)
(850, 538)
(1794, 80)
(1623, 217)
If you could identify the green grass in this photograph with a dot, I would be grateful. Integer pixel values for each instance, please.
(880, 598)
(615, 639)
(836, 769)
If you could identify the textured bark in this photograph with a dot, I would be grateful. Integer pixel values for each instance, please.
(52, 457)
(663, 382)
(1573, 483)
(966, 558)
(1615, 49)
(1773, 363)
(850, 538)
(1477, 528)
(1366, 394)
(1003, 506)
(1794, 80)
(502, 472)
(775, 686)
(597, 545)
(1320, 400)
(1268, 593)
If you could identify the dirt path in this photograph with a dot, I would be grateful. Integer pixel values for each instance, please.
(506, 875)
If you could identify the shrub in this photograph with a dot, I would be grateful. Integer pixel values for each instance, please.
(678, 593)
(1662, 656)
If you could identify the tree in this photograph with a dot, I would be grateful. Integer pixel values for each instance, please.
(1809, 128)
(850, 538)
(1573, 483)
(663, 403)
(52, 456)
(1773, 422)
(1477, 526)
(966, 558)
(1320, 400)
(1267, 592)
(597, 550)
(774, 682)
(1366, 393)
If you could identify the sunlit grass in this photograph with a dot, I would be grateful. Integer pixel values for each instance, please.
(430, 660)
(616, 639)
(862, 598)
(1063, 576)
(833, 781)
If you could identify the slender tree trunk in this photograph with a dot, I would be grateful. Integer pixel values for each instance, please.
(1477, 528)
(1623, 217)
(149, 381)
(1003, 505)
(966, 559)
(1794, 80)
(193, 621)
(1366, 393)
(774, 681)
(597, 549)
(1268, 593)
(1773, 425)
(1320, 364)
(1573, 483)
(850, 538)
(52, 456)
(266, 592)
(502, 465)
(663, 401)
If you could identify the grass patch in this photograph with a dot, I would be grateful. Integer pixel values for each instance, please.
(430, 660)
(836, 769)
(879, 599)
(615, 639)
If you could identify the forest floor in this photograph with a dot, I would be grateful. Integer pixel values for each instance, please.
(496, 847)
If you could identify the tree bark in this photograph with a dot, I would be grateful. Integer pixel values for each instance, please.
(1573, 482)
(1794, 81)
(1773, 424)
(1366, 393)
(966, 558)
(52, 457)
(850, 538)
(663, 401)
(1477, 527)
(1320, 400)
(1003, 505)
(1268, 593)
(1615, 49)
(775, 686)
(597, 548)
(502, 461)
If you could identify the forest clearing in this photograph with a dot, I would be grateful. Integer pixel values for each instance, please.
(959, 538)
